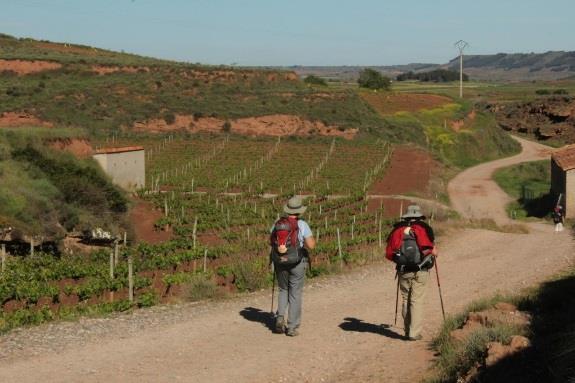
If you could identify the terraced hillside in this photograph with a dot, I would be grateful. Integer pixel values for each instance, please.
(102, 92)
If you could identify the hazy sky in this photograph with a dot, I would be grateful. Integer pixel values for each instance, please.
(297, 32)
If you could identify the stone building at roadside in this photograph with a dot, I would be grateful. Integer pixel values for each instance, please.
(563, 178)
(126, 166)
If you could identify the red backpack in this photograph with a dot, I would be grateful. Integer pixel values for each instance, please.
(285, 243)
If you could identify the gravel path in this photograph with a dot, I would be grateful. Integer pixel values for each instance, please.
(347, 333)
(475, 195)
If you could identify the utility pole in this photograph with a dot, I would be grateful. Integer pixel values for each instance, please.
(461, 45)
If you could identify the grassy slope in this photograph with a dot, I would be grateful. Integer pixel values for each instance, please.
(478, 141)
(528, 184)
(76, 96)
(45, 192)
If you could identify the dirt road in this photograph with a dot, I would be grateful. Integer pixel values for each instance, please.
(475, 195)
(345, 335)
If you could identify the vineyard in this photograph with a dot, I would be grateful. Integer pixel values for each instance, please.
(219, 197)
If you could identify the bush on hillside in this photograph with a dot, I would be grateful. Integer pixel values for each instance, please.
(315, 80)
(372, 79)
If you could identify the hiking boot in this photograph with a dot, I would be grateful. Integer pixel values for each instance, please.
(414, 338)
(280, 326)
(292, 332)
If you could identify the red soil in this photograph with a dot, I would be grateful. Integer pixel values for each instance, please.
(22, 67)
(143, 216)
(271, 125)
(409, 172)
(104, 69)
(210, 239)
(391, 103)
(77, 146)
(14, 119)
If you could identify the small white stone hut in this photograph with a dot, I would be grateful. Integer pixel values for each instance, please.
(126, 166)
(563, 178)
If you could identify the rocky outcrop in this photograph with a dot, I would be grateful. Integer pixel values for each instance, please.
(545, 118)
(504, 314)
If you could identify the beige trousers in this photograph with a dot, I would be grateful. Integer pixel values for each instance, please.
(413, 286)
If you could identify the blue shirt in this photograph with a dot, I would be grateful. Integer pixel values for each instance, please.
(303, 232)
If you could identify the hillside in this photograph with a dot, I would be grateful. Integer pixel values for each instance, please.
(518, 66)
(103, 92)
(496, 67)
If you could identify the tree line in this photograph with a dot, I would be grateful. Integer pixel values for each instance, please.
(437, 75)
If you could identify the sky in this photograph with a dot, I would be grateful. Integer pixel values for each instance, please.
(297, 32)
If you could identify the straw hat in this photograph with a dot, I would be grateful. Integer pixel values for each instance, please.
(294, 206)
(413, 211)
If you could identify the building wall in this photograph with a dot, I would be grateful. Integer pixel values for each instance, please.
(569, 198)
(558, 179)
(127, 169)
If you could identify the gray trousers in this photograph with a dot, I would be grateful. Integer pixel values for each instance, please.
(290, 283)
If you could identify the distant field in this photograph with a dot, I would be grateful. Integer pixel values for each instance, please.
(388, 103)
(487, 91)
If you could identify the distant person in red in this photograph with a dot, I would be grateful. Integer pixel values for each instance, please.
(558, 218)
(411, 246)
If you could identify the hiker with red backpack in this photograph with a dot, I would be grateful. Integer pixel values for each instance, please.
(290, 239)
(411, 247)
(558, 218)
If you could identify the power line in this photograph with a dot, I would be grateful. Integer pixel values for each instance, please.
(461, 45)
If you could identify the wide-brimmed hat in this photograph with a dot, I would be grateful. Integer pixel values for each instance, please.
(294, 206)
(413, 211)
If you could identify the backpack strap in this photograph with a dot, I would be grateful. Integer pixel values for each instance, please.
(294, 231)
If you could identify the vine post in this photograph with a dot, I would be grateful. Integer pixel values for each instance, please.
(380, 237)
(112, 265)
(339, 249)
(130, 278)
(3, 254)
(195, 231)
(116, 252)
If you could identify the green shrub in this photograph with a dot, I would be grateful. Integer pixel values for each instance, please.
(315, 80)
(147, 299)
(227, 127)
(201, 287)
(251, 275)
(372, 79)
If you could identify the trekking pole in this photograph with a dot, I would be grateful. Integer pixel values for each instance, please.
(439, 286)
(273, 288)
(396, 297)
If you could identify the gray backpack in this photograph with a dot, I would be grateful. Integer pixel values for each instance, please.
(409, 253)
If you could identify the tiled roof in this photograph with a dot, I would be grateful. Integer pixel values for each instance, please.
(119, 150)
(565, 157)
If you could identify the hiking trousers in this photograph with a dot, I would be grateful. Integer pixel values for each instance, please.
(290, 291)
(413, 287)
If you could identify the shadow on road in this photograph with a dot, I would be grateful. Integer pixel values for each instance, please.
(358, 325)
(256, 315)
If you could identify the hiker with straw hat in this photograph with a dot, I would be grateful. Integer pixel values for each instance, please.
(411, 246)
(290, 238)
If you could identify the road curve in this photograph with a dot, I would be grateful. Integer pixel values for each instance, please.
(474, 194)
